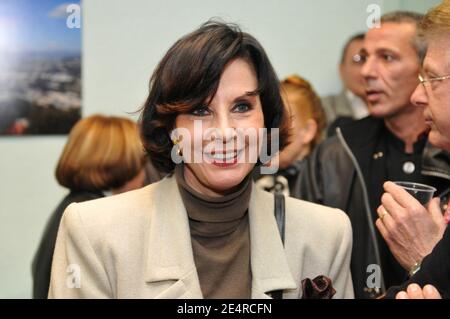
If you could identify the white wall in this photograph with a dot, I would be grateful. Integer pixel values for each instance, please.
(122, 42)
(299, 36)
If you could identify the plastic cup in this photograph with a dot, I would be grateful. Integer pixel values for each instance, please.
(423, 193)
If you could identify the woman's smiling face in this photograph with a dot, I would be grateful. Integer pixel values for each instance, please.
(236, 106)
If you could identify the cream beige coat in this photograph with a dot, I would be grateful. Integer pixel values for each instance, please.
(137, 245)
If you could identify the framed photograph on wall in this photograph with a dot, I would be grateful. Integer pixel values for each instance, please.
(40, 66)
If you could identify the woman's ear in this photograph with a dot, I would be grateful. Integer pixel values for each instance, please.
(309, 131)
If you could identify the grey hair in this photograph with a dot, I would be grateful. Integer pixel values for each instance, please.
(418, 41)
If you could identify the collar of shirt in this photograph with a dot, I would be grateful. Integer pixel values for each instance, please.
(400, 144)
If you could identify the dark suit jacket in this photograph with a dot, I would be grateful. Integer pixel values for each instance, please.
(42, 261)
(435, 270)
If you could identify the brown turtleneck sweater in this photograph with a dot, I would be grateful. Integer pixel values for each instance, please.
(220, 239)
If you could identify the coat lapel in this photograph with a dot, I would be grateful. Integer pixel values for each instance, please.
(270, 269)
(170, 268)
(170, 262)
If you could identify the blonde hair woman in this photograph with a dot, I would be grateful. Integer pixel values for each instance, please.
(307, 117)
(103, 155)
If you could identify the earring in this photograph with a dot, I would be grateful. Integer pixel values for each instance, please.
(177, 142)
(179, 151)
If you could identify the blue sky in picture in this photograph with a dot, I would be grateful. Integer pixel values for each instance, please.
(37, 26)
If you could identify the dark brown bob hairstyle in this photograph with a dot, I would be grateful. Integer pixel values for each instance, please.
(188, 77)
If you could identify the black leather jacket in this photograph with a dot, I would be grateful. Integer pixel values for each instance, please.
(334, 175)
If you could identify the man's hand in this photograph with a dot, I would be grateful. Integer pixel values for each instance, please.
(415, 292)
(410, 230)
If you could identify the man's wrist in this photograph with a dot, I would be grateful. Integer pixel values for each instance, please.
(415, 268)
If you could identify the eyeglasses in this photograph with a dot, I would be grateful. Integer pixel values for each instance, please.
(438, 78)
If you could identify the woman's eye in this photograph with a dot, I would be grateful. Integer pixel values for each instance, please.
(200, 111)
(242, 107)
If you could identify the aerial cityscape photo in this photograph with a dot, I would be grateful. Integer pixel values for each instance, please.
(40, 68)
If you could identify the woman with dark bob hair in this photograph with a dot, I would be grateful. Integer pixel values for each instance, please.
(213, 114)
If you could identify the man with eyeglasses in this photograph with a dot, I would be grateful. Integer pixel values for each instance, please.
(411, 230)
(349, 104)
(348, 171)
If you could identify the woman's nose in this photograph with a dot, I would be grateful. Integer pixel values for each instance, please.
(224, 127)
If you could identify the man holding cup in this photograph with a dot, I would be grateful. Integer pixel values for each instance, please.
(348, 171)
(413, 230)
